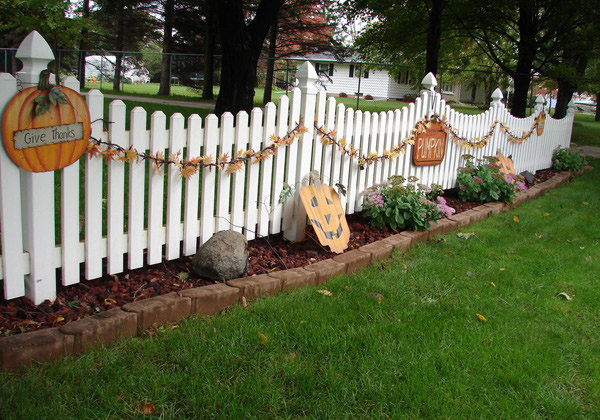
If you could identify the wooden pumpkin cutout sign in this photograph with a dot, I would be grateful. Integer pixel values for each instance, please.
(540, 123)
(324, 209)
(45, 128)
(507, 168)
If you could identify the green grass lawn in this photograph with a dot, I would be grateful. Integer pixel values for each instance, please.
(586, 131)
(418, 352)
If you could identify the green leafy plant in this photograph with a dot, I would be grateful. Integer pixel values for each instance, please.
(483, 181)
(399, 205)
(567, 160)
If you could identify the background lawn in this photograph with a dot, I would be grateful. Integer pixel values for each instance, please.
(400, 340)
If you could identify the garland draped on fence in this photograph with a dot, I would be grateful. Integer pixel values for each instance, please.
(189, 167)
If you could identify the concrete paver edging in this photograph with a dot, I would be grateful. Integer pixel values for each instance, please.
(18, 351)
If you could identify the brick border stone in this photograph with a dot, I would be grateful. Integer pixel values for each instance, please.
(256, 286)
(295, 278)
(208, 300)
(159, 310)
(326, 269)
(22, 350)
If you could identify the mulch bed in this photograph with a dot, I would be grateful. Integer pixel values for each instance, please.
(265, 255)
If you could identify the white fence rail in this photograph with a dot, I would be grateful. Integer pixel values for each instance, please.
(133, 215)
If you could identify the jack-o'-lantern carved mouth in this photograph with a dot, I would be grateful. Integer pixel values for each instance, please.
(329, 234)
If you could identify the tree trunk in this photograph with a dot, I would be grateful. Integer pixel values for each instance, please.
(119, 46)
(83, 45)
(526, 49)
(165, 68)
(241, 45)
(597, 116)
(209, 51)
(566, 87)
(271, 62)
(434, 35)
(519, 98)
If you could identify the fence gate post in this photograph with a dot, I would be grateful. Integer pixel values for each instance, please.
(37, 189)
(307, 79)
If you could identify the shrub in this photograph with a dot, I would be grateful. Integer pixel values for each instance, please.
(343, 95)
(567, 160)
(368, 97)
(484, 182)
(400, 206)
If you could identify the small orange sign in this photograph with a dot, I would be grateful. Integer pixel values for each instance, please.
(324, 209)
(430, 146)
(541, 122)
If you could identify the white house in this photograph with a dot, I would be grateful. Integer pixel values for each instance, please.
(343, 75)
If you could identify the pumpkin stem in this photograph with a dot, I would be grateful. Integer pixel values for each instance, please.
(44, 83)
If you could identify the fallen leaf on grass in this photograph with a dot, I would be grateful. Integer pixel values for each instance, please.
(465, 235)
(546, 214)
(60, 318)
(481, 318)
(493, 284)
(586, 203)
(347, 287)
(244, 303)
(516, 219)
(469, 274)
(377, 296)
(564, 296)
(538, 236)
(147, 408)
(502, 269)
(325, 292)
(263, 338)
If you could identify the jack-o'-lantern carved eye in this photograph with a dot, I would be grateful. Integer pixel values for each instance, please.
(324, 209)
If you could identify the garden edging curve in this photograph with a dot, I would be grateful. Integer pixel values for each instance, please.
(77, 337)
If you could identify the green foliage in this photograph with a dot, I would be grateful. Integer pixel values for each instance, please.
(400, 206)
(567, 160)
(483, 182)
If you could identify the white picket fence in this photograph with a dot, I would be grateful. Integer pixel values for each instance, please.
(168, 223)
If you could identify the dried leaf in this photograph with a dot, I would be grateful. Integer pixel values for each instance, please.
(546, 214)
(564, 296)
(244, 302)
(493, 284)
(286, 192)
(263, 338)
(516, 219)
(184, 275)
(325, 292)
(586, 203)
(147, 408)
(481, 318)
(465, 235)
(109, 301)
(60, 318)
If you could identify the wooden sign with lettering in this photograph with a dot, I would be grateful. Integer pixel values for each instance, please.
(326, 214)
(45, 127)
(541, 122)
(430, 146)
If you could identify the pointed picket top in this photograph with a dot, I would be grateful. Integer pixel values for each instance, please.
(35, 54)
(429, 82)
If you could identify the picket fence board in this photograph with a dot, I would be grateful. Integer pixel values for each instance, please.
(266, 200)
(174, 187)
(191, 229)
(137, 194)
(279, 160)
(156, 231)
(242, 133)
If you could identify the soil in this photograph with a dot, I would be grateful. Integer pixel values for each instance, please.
(266, 255)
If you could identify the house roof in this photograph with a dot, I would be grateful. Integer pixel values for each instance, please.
(328, 57)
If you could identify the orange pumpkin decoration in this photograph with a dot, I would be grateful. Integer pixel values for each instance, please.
(46, 128)
(507, 168)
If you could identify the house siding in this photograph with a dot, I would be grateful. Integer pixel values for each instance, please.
(375, 85)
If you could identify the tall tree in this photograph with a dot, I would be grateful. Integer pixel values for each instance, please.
(126, 25)
(242, 37)
(165, 74)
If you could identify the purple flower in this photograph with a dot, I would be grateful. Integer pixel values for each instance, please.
(477, 180)
(441, 200)
(462, 187)
(521, 185)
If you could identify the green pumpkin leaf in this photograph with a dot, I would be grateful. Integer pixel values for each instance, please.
(43, 105)
(286, 193)
(57, 97)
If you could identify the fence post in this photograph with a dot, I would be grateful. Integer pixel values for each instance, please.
(571, 107)
(37, 189)
(429, 83)
(307, 78)
(539, 104)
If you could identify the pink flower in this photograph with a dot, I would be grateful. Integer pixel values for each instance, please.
(441, 200)
(521, 185)
(462, 187)
(478, 180)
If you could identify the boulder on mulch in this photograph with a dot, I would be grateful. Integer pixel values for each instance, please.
(222, 257)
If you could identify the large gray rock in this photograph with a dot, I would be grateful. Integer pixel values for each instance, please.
(528, 176)
(222, 257)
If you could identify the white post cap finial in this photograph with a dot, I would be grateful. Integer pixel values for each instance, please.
(429, 82)
(571, 107)
(307, 77)
(539, 103)
(497, 96)
(35, 54)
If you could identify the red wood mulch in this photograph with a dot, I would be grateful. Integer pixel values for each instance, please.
(266, 255)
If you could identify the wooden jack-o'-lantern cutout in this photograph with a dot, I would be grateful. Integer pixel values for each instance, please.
(46, 128)
(324, 209)
(507, 168)
(540, 123)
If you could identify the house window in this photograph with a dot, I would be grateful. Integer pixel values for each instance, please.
(403, 78)
(351, 70)
(331, 69)
(366, 75)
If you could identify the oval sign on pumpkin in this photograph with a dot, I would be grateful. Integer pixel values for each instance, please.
(324, 209)
(48, 140)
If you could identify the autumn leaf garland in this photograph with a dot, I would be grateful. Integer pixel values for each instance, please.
(188, 167)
